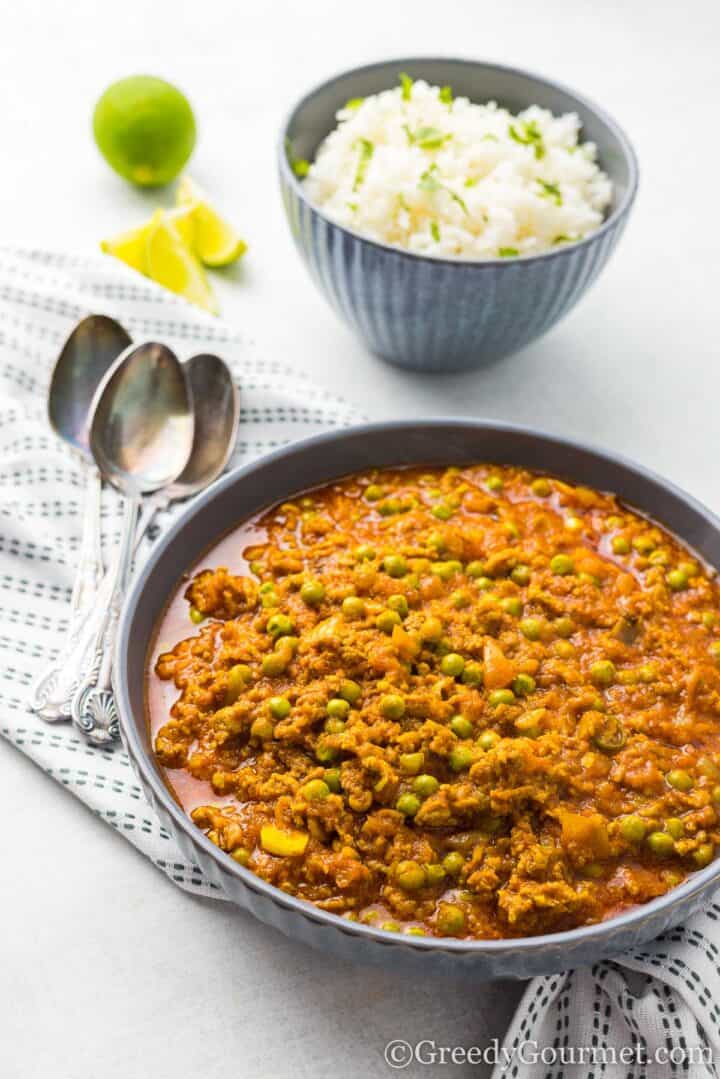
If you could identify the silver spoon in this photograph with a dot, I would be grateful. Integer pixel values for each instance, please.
(84, 359)
(141, 436)
(217, 415)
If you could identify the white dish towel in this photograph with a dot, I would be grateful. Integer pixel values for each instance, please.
(650, 1014)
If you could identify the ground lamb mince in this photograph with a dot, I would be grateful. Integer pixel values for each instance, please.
(467, 702)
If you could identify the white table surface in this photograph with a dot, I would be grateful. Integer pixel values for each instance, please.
(105, 968)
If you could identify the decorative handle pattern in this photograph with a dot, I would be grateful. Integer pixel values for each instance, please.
(93, 709)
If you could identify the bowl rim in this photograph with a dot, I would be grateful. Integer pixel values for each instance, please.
(610, 222)
(152, 778)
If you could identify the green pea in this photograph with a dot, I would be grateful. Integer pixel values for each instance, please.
(391, 506)
(709, 619)
(512, 605)
(661, 844)
(541, 487)
(488, 739)
(350, 691)
(714, 651)
(564, 627)
(241, 855)
(643, 544)
(196, 616)
(521, 575)
(703, 855)
(261, 729)
(443, 570)
(398, 603)
(675, 827)
(633, 829)
(332, 779)
(450, 920)
(603, 672)
(408, 804)
(279, 625)
(530, 628)
(274, 664)
(395, 565)
(270, 599)
(266, 586)
(425, 785)
(452, 664)
(677, 580)
(460, 599)
(315, 790)
(472, 674)
(690, 569)
(279, 707)
(435, 873)
(410, 876)
(475, 569)
(256, 568)
(365, 553)
(461, 757)
(324, 752)
(337, 708)
(523, 685)
(411, 763)
(501, 696)
(442, 511)
(312, 593)
(392, 706)
(562, 565)
(437, 541)
(453, 863)
(238, 677)
(387, 620)
(374, 492)
(495, 483)
(485, 583)
(461, 726)
(679, 779)
(353, 608)
(620, 545)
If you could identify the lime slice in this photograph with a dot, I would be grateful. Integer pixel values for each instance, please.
(172, 264)
(145, 129)
(216, 242)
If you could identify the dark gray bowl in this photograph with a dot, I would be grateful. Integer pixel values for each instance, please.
(309, 463)
(434, 314)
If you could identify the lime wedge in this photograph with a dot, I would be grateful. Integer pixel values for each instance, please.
(130, 247)
(172, 264)
(216, 242)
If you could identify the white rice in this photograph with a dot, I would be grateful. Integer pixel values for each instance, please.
(456, 180)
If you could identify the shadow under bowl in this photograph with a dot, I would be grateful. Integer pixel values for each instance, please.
(432, 314)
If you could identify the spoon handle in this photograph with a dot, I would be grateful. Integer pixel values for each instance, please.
(50, 693)
(93, 709)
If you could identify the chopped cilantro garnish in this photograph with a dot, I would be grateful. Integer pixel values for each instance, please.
(508, 252)
(407, 84)
(354, 103)
(429, 182)
(367, 149)
(471, 181)
(435, 231)
(489, 138)
(566, 239)
(528, 136)
(353, 207)
(446, 95)
(550, 191)
(402, 203)
(299, 165)
(427, 138)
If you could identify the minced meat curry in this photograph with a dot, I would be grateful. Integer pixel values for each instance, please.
(469, 702)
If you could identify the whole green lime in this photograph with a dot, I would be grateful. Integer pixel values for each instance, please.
(145, 129)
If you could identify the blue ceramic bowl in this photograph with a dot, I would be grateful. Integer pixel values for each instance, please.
(431, 314)
(318, 460)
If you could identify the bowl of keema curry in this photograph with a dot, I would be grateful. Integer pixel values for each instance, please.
(444, 693)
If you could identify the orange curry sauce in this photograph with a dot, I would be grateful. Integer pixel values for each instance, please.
(469, 702)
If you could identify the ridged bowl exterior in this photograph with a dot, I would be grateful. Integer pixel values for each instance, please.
(432, 314)
(314, 461)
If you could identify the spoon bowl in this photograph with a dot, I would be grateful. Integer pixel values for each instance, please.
(217, 414)
(142, 427)
(87, 355)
